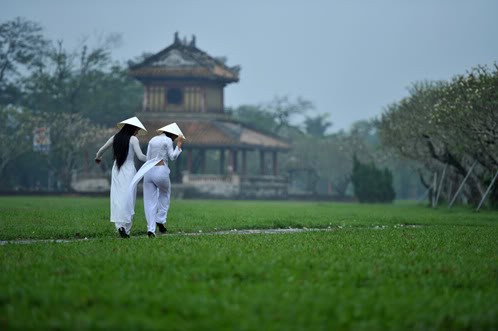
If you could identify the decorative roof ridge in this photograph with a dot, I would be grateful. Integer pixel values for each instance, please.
(201, 57)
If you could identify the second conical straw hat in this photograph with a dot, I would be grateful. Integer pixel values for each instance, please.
(172, 128)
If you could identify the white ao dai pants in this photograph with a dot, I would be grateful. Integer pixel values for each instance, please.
(157, 192)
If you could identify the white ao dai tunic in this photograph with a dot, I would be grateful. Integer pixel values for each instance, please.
(121, 211)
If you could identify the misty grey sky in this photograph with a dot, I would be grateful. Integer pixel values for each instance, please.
(350, 58)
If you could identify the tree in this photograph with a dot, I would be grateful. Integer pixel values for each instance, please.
(22, 48)
(254, 116)
(60, 89)
(83, 81)
(371, 184)
(330, 158)
(111, 96)
(284, 110)
(448, 123)
(139, 59)
(16, 134)
(70, 135)
(318, 125)
(58, 83)
(275, 116)
(467, 107)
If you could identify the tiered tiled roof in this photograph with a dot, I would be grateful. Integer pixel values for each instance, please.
(184, 60)
(220, 134)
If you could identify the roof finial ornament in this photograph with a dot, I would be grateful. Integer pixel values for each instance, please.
(177, 40)
(192, 42)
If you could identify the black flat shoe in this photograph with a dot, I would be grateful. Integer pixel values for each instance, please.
(151, 234)
(161, 227)
(122, 233)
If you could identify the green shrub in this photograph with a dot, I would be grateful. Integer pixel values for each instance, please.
(372, 184)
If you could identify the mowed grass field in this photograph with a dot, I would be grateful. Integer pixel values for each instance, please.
(377, 267)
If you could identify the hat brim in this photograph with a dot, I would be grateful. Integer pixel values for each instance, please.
(176, 134)
(141, 131)
(133, 121)
(173, 129)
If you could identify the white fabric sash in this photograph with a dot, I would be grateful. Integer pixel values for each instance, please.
(142, 171)
(136, 179)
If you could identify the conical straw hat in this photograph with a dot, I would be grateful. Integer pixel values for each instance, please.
(136, 123)
(172, 128)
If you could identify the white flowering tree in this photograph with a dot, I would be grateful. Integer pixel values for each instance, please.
(467, 111)
(448, 123)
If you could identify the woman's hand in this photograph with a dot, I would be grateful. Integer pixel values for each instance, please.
(179, 141)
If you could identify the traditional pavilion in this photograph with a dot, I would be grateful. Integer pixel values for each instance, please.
(183, 84)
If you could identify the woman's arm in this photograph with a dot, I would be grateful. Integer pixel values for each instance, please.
(102, 149)
(148, 152)
(172, 153)
(136, 148)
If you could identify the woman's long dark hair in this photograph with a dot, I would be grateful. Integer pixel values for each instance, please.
(171, 135)
(121, 143)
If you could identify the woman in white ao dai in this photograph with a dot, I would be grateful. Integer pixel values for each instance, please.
(125, 146)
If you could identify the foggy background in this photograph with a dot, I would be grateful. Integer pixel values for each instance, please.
(350, 58)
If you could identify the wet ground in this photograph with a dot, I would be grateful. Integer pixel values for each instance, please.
(224, 232)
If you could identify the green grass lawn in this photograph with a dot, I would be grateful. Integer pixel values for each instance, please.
(442, 275)
(65, 218)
